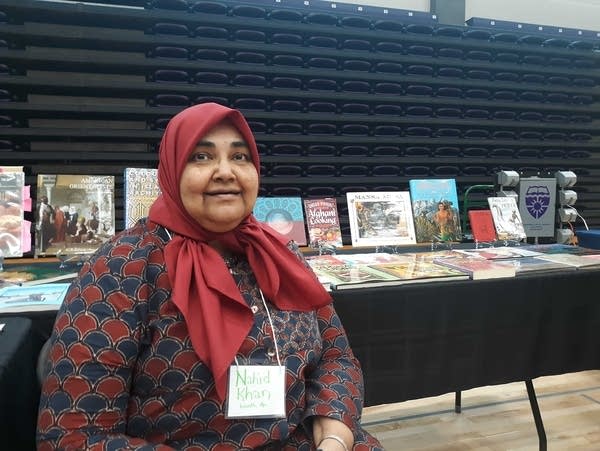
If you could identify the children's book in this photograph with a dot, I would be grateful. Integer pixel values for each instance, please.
(435, 210)
(15, 232)
(380, 218)
(482, 226)
(75, 214)
(283, 214)
(323, 222)
(42, 297)
(507, 218)
(140, 191)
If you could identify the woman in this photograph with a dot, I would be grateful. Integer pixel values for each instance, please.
(199, 328)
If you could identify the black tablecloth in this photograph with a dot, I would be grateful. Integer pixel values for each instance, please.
(427, 339)
(19, 390)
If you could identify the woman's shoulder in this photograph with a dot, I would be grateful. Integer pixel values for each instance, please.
(137, 241)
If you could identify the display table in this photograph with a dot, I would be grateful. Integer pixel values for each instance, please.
(427, 339)
(19, 390)
(414, 340)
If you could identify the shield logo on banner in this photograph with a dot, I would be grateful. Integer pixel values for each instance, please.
(537, 200)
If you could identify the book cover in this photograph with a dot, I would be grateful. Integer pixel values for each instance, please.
(419, 270)
(560, 248)
(323, 222)
(535, 265)
(507, 218)
(140, 191)
(380, 218)
(341, 277)
(537, 201)
(75, 214)
(435, 210)
(477, 268)
(13, 227)
(42, 297)
(498, 253)
(578, 261)
(283, 214)
(37, 272)
(482, 225)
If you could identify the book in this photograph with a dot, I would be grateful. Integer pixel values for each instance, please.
(537, 205)
(323, 222)
(535, 265)
(38, 272)
(283, 214)
(42, 297)
(560, 248)
(140, 191)
(342, 277)
(477, 268)
(380, 218)
(507, 218)
(497, 253)
(15, 233)
(75, 214)
(482, 225)
(578, 261)
(435, 210)
(419, 270)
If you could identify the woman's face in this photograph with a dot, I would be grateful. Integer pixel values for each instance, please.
(219, 184)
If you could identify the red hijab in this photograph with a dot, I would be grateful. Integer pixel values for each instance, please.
(216, 315)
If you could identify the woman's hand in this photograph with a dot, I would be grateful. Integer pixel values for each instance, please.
(332, 435)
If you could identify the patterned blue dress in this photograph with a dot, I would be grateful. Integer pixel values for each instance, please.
(123, 373)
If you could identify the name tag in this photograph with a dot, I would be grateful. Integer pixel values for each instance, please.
(256, 391)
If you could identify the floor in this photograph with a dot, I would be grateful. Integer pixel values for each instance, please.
(495, 418)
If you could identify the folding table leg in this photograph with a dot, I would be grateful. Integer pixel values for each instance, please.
(457, 402)
(539, 425)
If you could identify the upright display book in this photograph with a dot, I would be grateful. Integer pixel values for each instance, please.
(141, 190)
(507, 218)
(75, 214)
(537, 205)
(14, 230)
(435, 209)
(43, 297)
(380, 218)
(284, 214)
(323, 222)
(482, 226)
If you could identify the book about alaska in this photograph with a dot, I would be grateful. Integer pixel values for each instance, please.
(75, 214)
(380, 218)
(435, 210)
(323, 222)
(141, 190)
(283, 214)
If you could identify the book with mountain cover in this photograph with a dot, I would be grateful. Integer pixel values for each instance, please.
(141, 190)
(435, 210)
(380, 218)
(75, 213)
